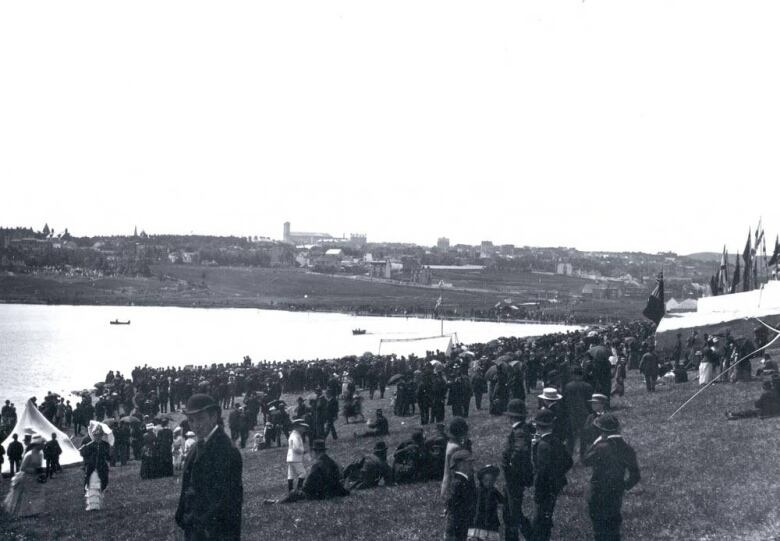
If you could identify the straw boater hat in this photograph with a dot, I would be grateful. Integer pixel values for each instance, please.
(598, 398)
(550, 393)
(299, 423)
(37, 440)
(189, 434)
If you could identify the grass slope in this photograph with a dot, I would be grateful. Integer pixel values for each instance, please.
(702, 478)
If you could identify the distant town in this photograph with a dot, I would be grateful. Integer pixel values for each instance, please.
(442, 266)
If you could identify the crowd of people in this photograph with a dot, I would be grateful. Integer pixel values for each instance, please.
(127, 419)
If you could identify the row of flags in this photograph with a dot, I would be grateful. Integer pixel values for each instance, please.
(748, 271)
(754, 265)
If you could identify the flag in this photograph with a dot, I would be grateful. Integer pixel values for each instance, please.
(655, 308)
(735, 278)
(723, 273)
(776, 254)
(438, 303)
(746, 258)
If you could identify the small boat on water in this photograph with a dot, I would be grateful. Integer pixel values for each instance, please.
(117, 322)
(358, 331)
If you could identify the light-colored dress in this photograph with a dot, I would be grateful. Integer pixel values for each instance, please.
(177, 451)
(706, 372)
(92, 493)
(27, 495)
(447, 479)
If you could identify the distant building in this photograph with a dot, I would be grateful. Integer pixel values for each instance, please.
(303, 237)
(381, 269)
(357, 241)
(443, 244)
(507, 249)
(564, 269)
(486, 249)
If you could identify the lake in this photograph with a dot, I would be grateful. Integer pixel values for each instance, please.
(64, 348)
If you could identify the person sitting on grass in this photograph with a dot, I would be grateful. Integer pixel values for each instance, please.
(767, 405)
(371, 470)
(411, 460)
(378, 427)
(323, 481)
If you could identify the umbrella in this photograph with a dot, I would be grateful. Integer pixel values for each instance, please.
(599, 352)
(129, 419)
(395, 379)
(435, 363)
(108, 435)
(467, 354)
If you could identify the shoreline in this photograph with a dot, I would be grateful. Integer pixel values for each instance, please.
(288, 308)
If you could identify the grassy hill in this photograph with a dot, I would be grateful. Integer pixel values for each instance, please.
(702, 478)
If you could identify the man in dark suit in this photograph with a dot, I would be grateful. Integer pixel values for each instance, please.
(649, 366)
(518, 471)
(611, 458)
(576, 394)
(211, 488)
(461, 498)
(551, 463)
(15, 452)
(373, 469)
(323, 481)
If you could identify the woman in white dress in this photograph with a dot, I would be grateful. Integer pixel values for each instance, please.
(27, 497)
(706, 366)
(95, 455)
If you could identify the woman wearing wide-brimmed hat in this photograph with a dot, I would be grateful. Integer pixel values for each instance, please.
(96, 454)
(26, 497)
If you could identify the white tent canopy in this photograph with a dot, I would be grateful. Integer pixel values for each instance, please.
(33, 420)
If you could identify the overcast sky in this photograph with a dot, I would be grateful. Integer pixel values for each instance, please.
(601, 125)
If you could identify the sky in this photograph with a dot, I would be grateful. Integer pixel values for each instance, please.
(601, 125)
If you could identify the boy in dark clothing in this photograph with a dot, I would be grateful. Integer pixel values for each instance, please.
(486, 525)
(462, 497)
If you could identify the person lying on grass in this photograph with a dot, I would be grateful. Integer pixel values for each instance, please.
(767, 405)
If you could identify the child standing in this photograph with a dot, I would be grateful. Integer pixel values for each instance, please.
(296, 453)
(486, 525)
(461, 496)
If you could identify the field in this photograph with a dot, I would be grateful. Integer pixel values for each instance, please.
(199, 286)
(702, 478)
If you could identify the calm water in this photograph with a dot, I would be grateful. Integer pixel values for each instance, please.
(65, 348)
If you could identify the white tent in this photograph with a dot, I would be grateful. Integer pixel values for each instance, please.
(34, 420)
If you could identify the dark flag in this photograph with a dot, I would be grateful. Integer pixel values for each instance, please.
(655, 308)
(723, 274)
(776, 254)
(747, 259)
(735, 278)
(714, 285)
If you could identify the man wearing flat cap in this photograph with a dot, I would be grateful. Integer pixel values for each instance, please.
(611, 459)
(211, 488)
(374, 469)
